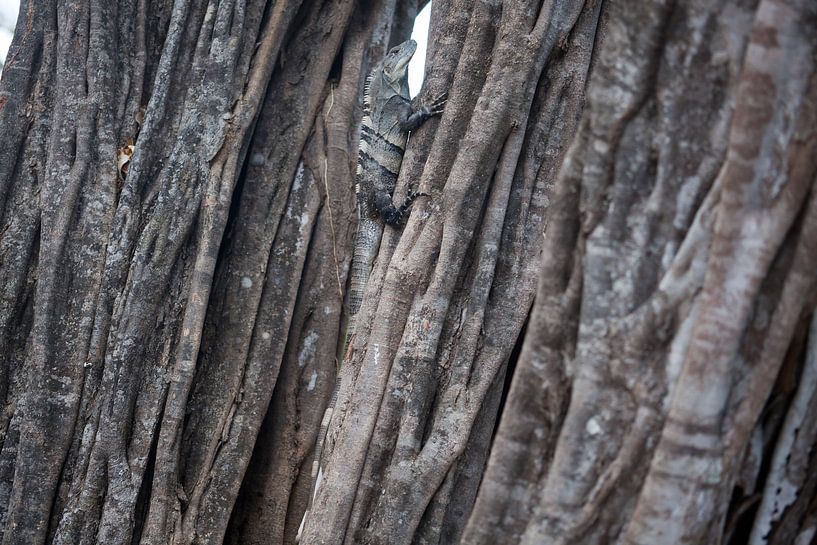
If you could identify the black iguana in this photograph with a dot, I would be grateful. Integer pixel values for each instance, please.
(388, 117)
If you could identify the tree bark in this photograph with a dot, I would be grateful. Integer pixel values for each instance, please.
(599, 328)
(116, 430)
(447, 302)
(669, 292)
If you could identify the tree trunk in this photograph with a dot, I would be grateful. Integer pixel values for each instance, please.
(673, 281)
(176, 224)
(133, 397)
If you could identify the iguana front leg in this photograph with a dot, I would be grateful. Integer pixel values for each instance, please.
(414, 118)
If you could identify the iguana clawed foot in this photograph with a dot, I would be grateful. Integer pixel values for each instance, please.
(437, 105)
(393, 216)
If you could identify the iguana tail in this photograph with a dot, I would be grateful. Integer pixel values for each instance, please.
(367, 242)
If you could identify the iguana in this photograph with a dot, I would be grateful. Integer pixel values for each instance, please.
(388, 117)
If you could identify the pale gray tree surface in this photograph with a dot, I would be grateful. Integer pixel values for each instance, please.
(599, 327)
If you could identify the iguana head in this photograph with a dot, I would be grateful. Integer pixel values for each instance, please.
(388, 78)
(395, 64)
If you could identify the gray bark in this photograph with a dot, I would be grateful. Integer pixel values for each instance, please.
(672, 281)
(127, 419)
(633, 181)
(431, 342)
